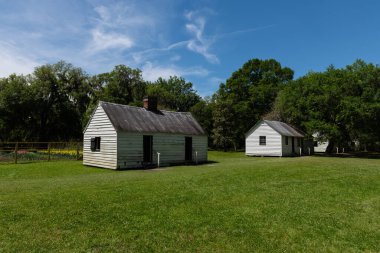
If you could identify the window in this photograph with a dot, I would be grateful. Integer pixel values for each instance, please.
(263, 140)
(286, 140)
(299, 142)
(95, 144)
(315, 144)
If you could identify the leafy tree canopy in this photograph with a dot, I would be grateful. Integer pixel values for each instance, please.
(249, 93)
(174, 93)
(340, 105)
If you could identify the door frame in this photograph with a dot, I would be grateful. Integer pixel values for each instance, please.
(188, 148)
(147, 148)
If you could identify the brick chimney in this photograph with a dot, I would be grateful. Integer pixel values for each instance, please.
(150, 103)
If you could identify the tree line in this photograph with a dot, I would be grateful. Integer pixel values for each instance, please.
(55, 102)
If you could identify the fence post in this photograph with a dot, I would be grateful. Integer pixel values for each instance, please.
(16, 151)
(49, 151)
(77, 150)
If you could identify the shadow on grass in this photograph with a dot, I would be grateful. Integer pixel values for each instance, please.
(363, 155)
(154, 166)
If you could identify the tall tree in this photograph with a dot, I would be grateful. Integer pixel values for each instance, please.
(251, 91)
(341, 105)
(61, 95)
(174, 93)
(224, 132)
(16, 105)
(123, 85)
(202, 111)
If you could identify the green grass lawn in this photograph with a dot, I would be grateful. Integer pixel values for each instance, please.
(237, 204)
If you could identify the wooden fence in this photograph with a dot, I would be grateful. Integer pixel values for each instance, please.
(22, 152)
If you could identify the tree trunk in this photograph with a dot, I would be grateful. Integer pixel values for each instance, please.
(330, 147)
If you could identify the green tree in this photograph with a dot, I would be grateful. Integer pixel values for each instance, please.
(224, 133)
(174, 93)
(123, 85)
(61, 94)
(16, 105)
(341, 105)
(203, 113)
(360, 106)
(311, 103)
(251, 92)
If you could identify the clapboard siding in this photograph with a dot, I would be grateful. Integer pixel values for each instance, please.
(100, 126)
(287, 149)
(276, 133)
(122, 147)
(130, 150)
(170, 146)
(273, 142)
(200, 146)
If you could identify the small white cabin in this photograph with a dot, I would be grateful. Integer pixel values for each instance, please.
(273, 138)
(121, 137)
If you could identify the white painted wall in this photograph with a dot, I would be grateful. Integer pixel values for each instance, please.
(100, 126)
(130, 150)
(200, 145)
(273, 142)
(170, 146)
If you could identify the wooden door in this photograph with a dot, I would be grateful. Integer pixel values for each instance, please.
(148, 148)
(188, 148)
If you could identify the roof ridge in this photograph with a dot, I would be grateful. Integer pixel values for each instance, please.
(272, 124)
(138, 119)
(133, 106)
(138, 107)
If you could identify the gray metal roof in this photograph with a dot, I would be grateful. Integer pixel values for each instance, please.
(137, 119)
(283, 128)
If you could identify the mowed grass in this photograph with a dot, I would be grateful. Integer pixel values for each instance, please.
(237, 204)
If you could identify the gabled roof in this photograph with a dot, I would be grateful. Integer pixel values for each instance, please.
(280, 127)
(283, 128)
(127, 118)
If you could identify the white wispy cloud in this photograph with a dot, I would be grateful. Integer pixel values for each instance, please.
(13, 61)
(199, 44)
(152, 72)
(151, 53)
(102, 40)
(237, 32)
(99, 34)
(118, 27)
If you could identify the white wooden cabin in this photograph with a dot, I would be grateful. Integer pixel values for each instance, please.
(121, 137)
(273, 138)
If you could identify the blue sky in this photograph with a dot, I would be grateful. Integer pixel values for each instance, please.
(202, 40)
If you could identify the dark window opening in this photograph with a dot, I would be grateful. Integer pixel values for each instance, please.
(263, 140)
(315, 144)
(299, 142)
(286, 140)
(95, 144)
(148, 148)
(188, 148)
